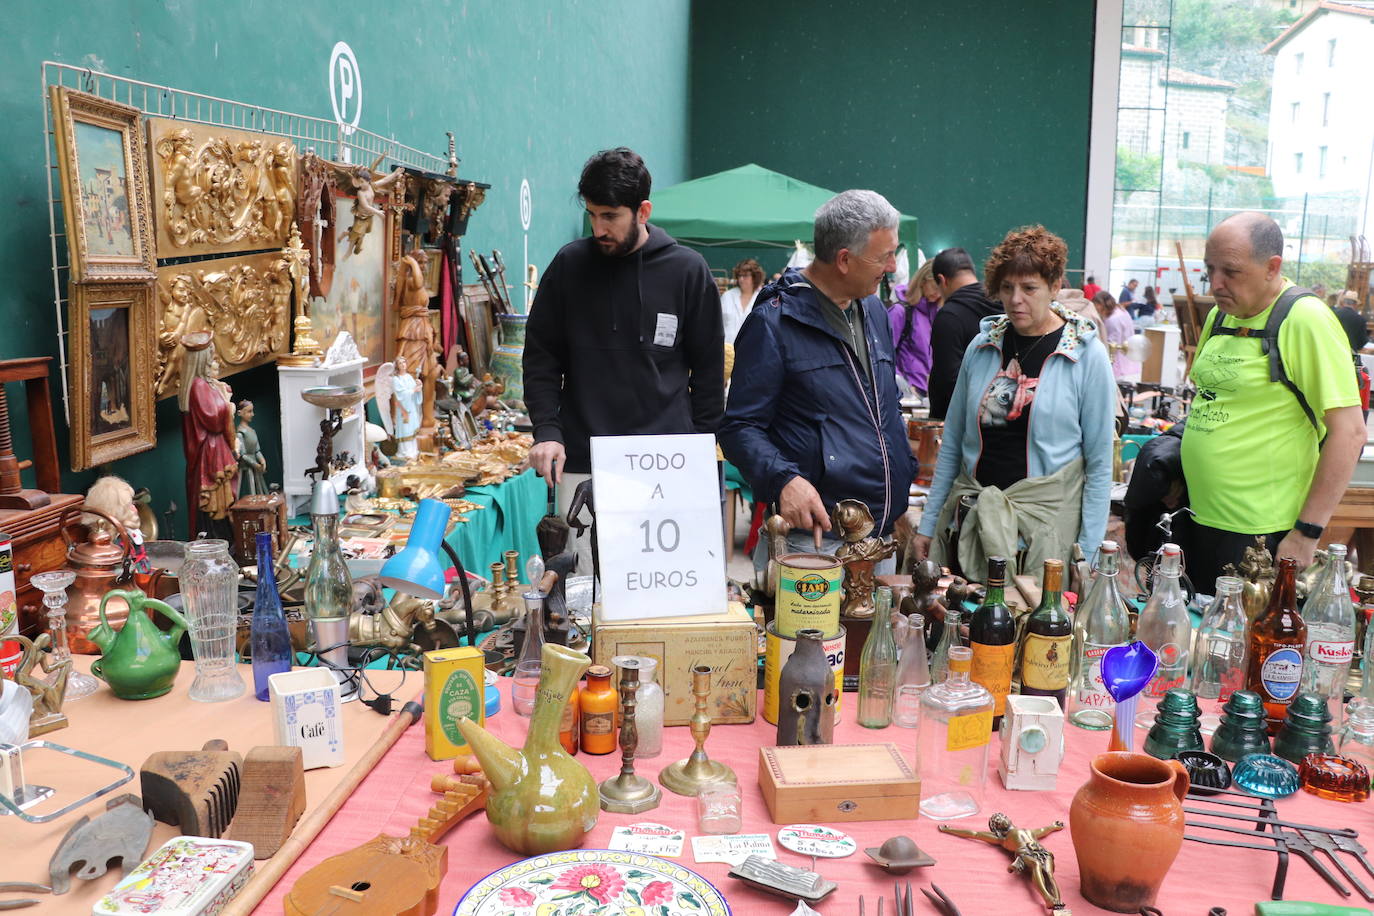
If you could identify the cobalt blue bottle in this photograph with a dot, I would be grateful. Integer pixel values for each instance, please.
(270, 639)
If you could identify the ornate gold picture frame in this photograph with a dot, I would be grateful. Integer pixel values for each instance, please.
(111, 368)
(218, 190)
(104, 178)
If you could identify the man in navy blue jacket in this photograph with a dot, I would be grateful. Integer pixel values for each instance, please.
(813, 414)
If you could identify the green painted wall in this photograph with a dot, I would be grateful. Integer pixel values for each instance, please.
(530, 89)
(972, 117)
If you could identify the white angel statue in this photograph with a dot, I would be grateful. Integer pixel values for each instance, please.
(398, 401)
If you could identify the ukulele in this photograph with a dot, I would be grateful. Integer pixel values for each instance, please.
(387, 875)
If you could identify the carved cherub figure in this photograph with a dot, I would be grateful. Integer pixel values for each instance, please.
(365, 207)
(1029, 858)
(860, 553)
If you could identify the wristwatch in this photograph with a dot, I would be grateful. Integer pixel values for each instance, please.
(1308, 530)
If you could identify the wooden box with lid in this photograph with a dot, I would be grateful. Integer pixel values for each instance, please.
(829, 783)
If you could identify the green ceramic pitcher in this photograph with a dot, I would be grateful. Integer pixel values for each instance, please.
(138, 661)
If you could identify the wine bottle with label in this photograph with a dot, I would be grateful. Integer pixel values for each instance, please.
(1047, 645)
(992, 636)
(1277, 639)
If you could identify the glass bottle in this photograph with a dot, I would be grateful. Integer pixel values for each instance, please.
(1367, 675)
(1101, 623)
(1165, 627)
(649, 709)
(598, 702)
(1219, 651)
(949, 638)
(1357, 737)
(1047, 644)
(269, 636)
(956, 727)
(1277, 638)
(913, 675)
(328, 584)
(525, 683)
(878, 665)
(1330, 617)
(569, 727)
(209, 594)
(992, 637)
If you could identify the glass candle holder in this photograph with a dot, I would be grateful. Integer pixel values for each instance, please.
(53, 585)
(719, 808)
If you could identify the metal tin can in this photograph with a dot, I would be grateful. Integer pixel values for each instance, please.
(10, 650)
(776, 653)
(808, 594)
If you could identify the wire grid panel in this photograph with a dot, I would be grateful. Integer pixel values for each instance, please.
(328, 139)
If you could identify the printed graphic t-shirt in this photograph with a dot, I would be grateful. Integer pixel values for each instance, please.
(1004, 412)
(1248, 450)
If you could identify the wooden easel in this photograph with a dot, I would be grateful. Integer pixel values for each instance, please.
(1189, 317)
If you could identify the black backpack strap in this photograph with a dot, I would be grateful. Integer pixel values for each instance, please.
(1269, 342)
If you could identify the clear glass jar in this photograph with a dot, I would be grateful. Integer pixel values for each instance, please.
(1356, 739)
(956, 726)
(719, 808)
(649, 709)
(913, 675)
(209, 596)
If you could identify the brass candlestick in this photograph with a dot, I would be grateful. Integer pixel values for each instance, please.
(296, 259)
(686, 777)
(628, 793)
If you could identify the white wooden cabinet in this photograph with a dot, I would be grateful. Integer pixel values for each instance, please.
(300, 429)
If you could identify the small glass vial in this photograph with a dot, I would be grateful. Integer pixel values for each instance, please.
(913, 675)
(649, 710)
(599, 702)
(956, 725)
(718, 808)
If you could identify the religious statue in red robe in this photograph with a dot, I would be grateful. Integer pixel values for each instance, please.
(208, 440)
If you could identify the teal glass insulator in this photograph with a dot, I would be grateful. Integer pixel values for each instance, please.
(1306, 729)
(1242, 730)
(1176, 725)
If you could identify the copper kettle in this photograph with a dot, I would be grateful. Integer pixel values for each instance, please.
(100, 565)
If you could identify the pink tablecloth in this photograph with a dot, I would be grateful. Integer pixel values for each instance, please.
(397, 793)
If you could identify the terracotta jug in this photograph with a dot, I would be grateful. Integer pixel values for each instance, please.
(542, 800)
(1127, 826)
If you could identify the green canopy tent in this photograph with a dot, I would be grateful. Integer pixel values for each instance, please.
(746, 207)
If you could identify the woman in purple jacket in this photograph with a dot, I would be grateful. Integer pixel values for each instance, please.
(911, 316)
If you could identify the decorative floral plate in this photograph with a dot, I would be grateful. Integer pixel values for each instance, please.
(593, 882)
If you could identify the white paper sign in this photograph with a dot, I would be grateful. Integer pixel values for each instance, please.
(659, 528)
(732, 849)
(654, 839)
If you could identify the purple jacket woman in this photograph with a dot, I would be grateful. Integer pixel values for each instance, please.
(911, 338)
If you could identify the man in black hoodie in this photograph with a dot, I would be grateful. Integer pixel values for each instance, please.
(624, 336)
(956, 323)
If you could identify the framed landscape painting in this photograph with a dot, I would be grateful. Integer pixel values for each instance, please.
(111, 365)
(104, 176)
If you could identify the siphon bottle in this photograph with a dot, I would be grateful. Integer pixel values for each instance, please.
(598, 704)
(268, 634)
(878, 666)
(1165, 627)
(913, 675)
(1047, 644)
(1219, 651)
(1278, 636)
(1330, 617)
(992, 637)
(1101, 623)
(955, 730)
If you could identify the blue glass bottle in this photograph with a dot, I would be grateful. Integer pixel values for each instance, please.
(271, 640)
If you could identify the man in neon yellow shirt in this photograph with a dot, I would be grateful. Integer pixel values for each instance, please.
(1254, 462)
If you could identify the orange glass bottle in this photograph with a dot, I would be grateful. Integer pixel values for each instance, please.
(1277, 639)
(599, 702)
(568, 730)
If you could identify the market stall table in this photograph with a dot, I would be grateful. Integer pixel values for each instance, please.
(127, 732)
(397, 794)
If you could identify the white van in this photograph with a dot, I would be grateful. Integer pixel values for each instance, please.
(1161, 272)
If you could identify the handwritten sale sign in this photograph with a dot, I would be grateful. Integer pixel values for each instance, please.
(659, 528)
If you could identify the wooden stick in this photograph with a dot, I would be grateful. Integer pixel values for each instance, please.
(266, 878)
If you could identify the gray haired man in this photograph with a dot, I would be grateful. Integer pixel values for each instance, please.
(813, 416)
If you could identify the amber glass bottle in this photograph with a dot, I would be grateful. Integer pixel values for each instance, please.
(1047, 646)
(569, 731)
(1277, 638)
(992, 636)
(598, 704)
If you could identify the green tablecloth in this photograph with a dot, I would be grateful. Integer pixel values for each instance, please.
(513, 509)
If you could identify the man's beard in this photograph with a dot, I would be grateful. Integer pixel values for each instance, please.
(623, 247)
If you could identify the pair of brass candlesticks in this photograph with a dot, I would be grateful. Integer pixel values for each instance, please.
(629, 793)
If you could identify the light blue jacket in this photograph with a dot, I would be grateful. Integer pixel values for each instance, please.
(1073, 415)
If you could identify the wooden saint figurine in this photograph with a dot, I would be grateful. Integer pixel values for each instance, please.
(252, 462)
(48, 693)
(208, 439)
(415, 338)
(860, 553)
(1029, 858)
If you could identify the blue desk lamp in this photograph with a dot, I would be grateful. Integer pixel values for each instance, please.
(417, 570)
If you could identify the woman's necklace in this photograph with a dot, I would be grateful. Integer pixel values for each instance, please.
(1014, 367)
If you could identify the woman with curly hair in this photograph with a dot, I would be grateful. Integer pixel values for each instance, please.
(1027, 447)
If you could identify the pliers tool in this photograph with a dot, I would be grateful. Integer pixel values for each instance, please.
(21, 887)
